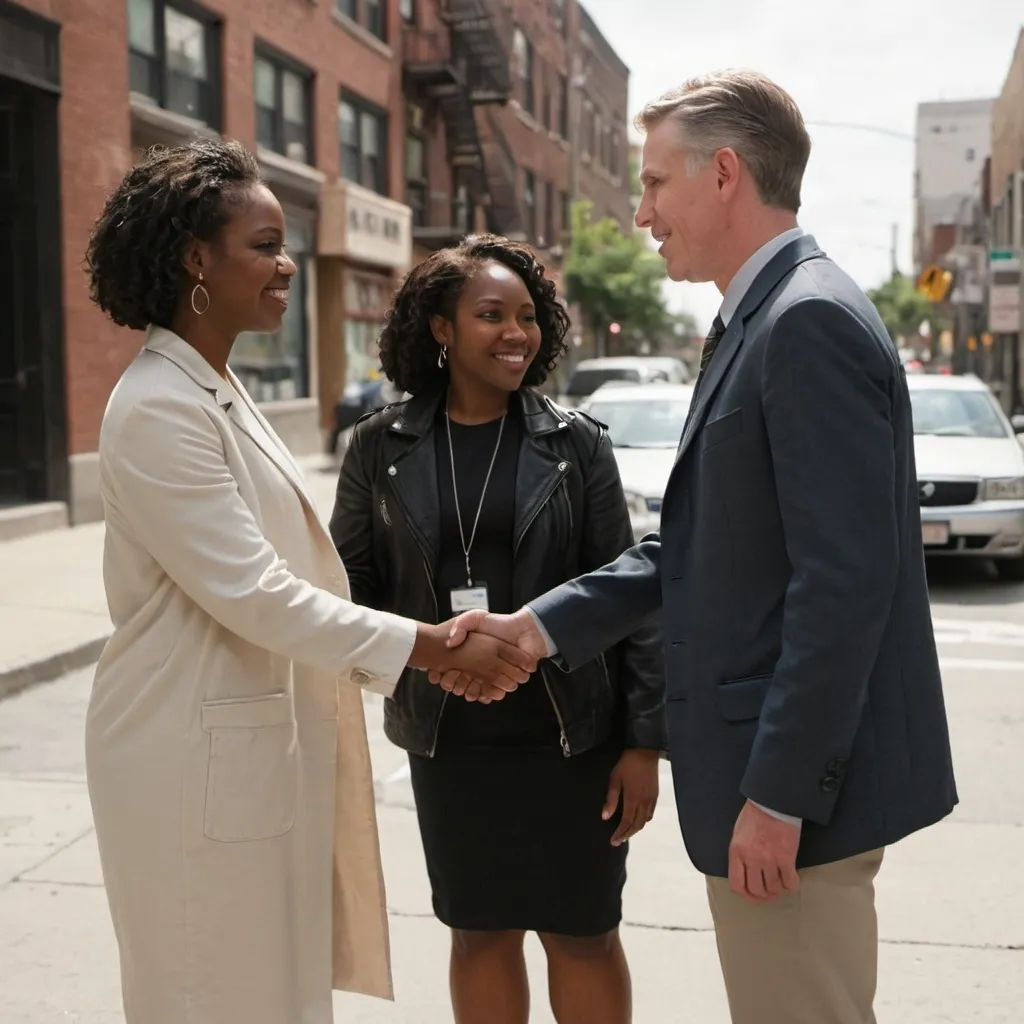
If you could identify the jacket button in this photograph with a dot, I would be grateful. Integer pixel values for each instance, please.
(392, 471)
(563, 466)
(360, 677)
(829, 784)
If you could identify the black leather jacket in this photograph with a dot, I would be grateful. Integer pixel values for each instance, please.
(570, 518)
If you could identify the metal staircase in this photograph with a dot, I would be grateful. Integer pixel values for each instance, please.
(464, 70)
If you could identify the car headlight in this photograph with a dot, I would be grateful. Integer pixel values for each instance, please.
(1006, 489)
(636, 503)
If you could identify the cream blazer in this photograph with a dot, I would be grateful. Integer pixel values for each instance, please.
(226, 749)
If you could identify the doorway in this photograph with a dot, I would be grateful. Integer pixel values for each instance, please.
(33, 445)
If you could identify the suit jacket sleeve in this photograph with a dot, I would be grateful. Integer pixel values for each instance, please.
(827, 387)
(593, 613)
(640, 657)
(352, 524)
(171, 485)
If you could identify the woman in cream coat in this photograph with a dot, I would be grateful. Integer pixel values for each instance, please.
(226, 749)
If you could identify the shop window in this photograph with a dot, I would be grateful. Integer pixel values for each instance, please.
(366, 298)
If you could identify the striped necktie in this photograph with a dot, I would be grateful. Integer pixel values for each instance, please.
(711, 342)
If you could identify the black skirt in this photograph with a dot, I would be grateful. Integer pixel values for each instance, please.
(514, 839)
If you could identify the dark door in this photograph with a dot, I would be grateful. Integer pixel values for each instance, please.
(23, 449)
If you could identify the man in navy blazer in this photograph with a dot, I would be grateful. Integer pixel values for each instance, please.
(807, 724)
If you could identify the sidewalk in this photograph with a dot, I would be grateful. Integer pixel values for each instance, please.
(53, 612)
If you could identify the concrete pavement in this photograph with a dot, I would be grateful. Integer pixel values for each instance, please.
(951, 903)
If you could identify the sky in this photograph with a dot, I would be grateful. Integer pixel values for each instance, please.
(869, 62)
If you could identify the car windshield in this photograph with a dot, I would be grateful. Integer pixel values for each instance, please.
(652, 423)
(953, 413)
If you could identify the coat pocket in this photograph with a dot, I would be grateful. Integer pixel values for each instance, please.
(740, 700)
(252, 772)
(721, 429)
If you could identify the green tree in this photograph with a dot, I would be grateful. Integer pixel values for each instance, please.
(903, 309)
(616, 278)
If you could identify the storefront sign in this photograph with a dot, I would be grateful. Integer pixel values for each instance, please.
(363, 226)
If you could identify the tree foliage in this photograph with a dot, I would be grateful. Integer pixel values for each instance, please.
(903, 309)
(616, 278)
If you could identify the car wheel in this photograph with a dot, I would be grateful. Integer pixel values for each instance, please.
(1011, 569)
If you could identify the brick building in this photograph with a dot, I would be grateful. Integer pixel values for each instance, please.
(85, 85)
(385, 127)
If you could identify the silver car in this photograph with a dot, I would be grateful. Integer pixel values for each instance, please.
(645, 424)
(970, 471)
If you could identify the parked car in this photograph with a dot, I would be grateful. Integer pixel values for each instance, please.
(645, 425)
(359, 398)
(970, 471)
(589, 374)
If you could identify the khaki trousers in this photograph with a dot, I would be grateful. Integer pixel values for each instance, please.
(810, 957)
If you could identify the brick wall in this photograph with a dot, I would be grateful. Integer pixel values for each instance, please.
(96, 145)
(1008, 125)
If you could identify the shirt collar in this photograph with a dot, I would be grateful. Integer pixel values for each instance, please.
(746, 275)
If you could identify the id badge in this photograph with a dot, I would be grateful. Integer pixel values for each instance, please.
(468, 599)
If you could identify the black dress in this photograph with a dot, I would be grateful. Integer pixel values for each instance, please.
(511, 828)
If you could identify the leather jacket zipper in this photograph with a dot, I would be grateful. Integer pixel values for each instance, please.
(563, 738)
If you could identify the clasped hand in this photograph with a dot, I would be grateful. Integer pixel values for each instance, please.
(479, 656)
(487, 655)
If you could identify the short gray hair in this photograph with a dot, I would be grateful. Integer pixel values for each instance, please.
(747, 112)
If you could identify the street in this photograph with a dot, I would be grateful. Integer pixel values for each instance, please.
(950, 901)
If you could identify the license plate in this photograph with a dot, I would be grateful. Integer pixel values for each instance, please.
(935, 534)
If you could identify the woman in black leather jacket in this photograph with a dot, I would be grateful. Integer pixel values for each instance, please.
(480, 492)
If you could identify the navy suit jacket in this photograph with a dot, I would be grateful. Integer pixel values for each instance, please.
(801, 667)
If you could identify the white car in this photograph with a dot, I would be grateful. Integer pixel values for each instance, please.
(591, 374)
(645, 424)
(970, 472)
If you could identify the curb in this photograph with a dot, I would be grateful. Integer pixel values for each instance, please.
(46, 670)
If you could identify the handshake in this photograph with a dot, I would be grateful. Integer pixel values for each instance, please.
(479, 655)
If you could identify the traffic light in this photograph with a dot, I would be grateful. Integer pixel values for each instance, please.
(934, 283)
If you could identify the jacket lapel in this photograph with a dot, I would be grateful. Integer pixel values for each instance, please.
(788, 259)
(244, 414)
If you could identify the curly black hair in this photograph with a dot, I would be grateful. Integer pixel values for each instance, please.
(408, 349)
(175, 195)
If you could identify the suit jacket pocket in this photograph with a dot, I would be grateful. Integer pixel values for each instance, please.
(252, 772)
(721, 429)
(741, 699)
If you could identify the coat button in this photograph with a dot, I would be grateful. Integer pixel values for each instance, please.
(829, 784)
(392, 471)
(360, 677)
(563, 466)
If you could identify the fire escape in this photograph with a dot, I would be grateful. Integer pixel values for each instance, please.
(466, 69)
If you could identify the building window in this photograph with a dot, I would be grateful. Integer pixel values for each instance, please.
(522, 57)
(275, 367)
(530, 202)
(366, 299)
(173, 55)
(614, 163)
(407, 9)
(566, 213)
(549, 214)
(416, 178)
(283, 93)
(563, 112)
(368, 13)
(364, 132)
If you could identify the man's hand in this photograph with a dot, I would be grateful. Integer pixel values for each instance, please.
(490, 667)
(635, 780)
(762, 856)
(518, 629)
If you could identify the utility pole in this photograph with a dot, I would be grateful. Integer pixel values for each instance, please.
(893, 248)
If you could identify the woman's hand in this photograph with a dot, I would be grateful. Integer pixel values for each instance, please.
(483, 667)
(634, 780)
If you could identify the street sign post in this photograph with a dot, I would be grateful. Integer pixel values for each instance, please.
(1004, 291)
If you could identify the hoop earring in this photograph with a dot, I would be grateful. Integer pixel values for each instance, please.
(442, 357)
(200, 287)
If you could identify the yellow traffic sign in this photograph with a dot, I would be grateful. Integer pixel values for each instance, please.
(935, 282)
